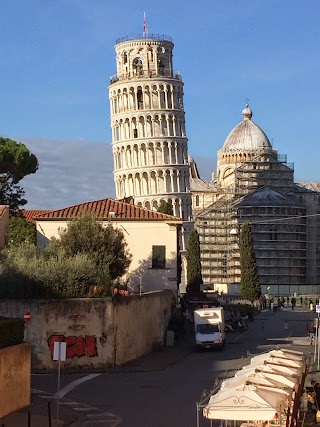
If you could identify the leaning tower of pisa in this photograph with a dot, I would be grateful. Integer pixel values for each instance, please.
(149, 142)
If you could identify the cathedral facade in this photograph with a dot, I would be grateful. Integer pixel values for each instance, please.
(255, 184)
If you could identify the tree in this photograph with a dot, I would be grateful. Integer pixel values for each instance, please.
(194, 276)
(20, 230)
(16, 162)
(165, 207)
(250, 286)
(105, 245)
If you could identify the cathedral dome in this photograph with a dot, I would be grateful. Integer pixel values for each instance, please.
(246, 135)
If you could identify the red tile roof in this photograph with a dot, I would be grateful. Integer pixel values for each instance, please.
(30, 214)
(106, 209)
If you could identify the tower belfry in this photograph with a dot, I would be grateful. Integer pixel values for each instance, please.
(149, 142)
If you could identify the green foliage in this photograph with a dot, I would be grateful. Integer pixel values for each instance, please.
(11, 331)
(20, 230)
(106, 246)
(250, 286)
(87, 261)
(16, 162)
(194, 276)
(30, 272)
(166, 207)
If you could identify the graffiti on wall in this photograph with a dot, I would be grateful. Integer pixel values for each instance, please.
(77, 346)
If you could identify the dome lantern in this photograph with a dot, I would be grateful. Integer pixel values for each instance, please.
(246, 113)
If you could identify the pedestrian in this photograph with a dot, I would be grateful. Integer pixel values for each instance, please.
(301, 301)
(288, 300)
(293, 302)
(311, 332)
(312, 407)
(316, 389)
(251, 314)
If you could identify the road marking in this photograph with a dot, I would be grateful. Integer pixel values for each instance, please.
(75, 384)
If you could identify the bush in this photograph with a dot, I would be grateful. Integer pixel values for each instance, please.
(11, 331)
(30, 272)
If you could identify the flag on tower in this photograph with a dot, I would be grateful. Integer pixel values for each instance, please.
(144, 24)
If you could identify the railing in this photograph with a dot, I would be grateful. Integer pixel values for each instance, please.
(283, 159)
(145, 37)
(142, 74)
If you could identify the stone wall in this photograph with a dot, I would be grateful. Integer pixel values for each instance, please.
(14, 378)
(99, 332)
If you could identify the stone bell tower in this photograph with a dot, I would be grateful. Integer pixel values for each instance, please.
(149, 142)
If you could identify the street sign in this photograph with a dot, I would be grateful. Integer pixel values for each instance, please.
(317, 308)
(59, 351)
(26, 316)
(60, 354)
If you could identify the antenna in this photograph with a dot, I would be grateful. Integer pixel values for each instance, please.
(145, 31)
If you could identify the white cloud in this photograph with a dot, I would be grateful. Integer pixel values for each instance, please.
(72, 172)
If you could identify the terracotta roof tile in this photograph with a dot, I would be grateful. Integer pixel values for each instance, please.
(105, 209)
(30, 214)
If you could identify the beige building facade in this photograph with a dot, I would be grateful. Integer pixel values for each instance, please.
(152, 239)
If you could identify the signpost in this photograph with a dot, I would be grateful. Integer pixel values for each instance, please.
(60, 354)
(316, 341)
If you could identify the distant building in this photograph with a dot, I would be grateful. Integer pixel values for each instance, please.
(256, 184)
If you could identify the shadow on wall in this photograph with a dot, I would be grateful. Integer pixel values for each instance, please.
(147, 278)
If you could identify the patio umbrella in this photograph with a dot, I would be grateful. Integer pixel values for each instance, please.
(246, 402)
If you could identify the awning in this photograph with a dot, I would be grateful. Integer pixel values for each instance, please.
(246, 403)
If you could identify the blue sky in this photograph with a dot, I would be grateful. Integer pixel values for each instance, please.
(57, 56)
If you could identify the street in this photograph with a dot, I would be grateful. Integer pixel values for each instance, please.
(139, 396)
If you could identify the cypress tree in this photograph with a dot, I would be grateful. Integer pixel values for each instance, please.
(194, 276)
(165, 207)
(250, 286)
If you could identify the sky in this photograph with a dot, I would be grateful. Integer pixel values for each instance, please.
(57, 57)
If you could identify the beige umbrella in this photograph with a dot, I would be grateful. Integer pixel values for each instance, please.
(246, 402)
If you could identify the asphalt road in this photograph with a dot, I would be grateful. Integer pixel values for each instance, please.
(167, 398)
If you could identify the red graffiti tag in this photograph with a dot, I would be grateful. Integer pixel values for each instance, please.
(76, 346)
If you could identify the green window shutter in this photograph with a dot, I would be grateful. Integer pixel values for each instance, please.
(158, 257)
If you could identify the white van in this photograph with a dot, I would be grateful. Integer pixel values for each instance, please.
(209, 327)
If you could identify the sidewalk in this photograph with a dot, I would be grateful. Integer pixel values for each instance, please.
(39, 415)
(295, 337)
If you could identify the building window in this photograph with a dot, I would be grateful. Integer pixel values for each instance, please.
(197, 201)
(135, 133)
(158, 257)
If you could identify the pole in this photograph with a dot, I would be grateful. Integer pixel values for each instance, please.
(140, 286)
(58, 397)
(316, 338)
(198, 420)
(49, 414)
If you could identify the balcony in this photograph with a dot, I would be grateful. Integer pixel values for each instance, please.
(143, 74)
(145, 37)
